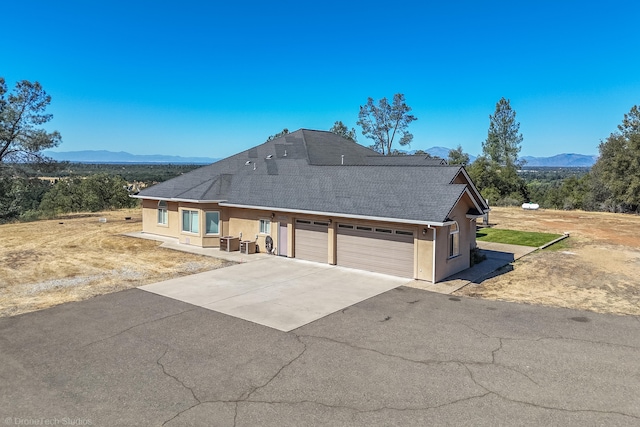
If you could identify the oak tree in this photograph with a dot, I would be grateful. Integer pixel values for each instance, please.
(618, 167)
(22, 114)
(341, 129)
(385, 121)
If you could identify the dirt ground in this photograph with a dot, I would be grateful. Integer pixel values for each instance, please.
(46, 263)
(597, 268)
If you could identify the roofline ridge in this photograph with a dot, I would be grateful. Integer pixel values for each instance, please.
(306, 149)
(215, 179)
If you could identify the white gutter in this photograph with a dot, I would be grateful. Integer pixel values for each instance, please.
(343, 215)
(474, 216)
(174, 199)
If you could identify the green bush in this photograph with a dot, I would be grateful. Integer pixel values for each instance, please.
(94, 193)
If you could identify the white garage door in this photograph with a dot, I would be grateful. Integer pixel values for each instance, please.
(378, 249)
(311, 240)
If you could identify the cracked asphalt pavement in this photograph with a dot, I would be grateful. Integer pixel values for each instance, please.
(406, 357)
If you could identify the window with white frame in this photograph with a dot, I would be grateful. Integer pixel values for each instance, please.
(212, 222)
(190, 222)
(454, 240)
(163, 216)
(265, 226)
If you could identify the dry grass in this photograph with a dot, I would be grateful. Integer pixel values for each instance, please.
(596, 269)
(46, 263)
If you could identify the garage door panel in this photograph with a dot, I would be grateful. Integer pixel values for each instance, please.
(311, 242)
(389, 237)
(378, 252)
(359, 249)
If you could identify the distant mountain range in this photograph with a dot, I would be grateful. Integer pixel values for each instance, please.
(104, 156)
(562, 160)
(566, 160)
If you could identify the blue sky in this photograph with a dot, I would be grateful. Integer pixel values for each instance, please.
(196, 78)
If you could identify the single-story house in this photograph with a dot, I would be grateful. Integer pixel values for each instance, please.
(317, 196)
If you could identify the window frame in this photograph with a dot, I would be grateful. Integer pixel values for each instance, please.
(206, 223)
(454, 240)
(264, 226)
(191, 222)
(163, 213)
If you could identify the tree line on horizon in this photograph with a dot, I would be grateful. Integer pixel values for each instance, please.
(612, 184)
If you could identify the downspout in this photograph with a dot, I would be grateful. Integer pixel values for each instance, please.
(473, 229)
(435, 247)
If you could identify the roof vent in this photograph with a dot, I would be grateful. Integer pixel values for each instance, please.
(270, 156)
(342, 159)
(247, 163)
(254, 166)
(285, 153)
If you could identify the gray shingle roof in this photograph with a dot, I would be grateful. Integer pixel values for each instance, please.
(304, 171)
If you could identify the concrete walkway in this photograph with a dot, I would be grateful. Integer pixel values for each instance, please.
(172, 243)
(498, 255)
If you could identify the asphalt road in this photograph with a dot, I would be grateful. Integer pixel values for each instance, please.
(406, 357)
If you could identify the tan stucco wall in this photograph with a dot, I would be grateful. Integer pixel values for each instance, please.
(234, 221)
(423, 253)
(247, 222)
(446, 266)
(150, 219)
(173, 227)
(332, 250)
(290, 239)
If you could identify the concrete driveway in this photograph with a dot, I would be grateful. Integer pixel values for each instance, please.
(406, 357)
(277, 292)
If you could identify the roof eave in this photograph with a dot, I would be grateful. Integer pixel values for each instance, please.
(175, 199)
(337, 214)
(466, 191)
(474, 188)
(474, 216)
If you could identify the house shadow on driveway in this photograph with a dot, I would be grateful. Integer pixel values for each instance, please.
(498, 262)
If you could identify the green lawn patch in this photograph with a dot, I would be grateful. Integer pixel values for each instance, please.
(513, 237)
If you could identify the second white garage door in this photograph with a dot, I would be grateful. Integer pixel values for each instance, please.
(382, 250)
(311, 240)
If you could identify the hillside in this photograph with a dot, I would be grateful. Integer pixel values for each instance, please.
(105, 156)
(567, 160)
(562, 160)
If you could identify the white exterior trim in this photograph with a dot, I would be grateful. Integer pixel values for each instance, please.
(174, 199)
(335, 214)
(466, 190)
(474, 216)
(433, 267)
(475, 190)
